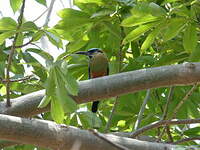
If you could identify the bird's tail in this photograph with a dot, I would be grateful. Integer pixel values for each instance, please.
(95, 106)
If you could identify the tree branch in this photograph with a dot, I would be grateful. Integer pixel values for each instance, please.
(120, 147)
(112, 86)
(164, 122)
(186, 140)
(54, 136)
(140, 114)
(17, 80)
(164, 117)
(11, 55)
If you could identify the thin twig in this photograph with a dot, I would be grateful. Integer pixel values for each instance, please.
(158, 99)
(140, 114)
(183, 100)
(63, 5)
(41, 15)
(169, 98)
(70, 3)
(185, 140)
(108, 141)
(8, 104)
(169, 133)
(16, 80)
(1, 14)
(164, 117)
(164, 122)
(111, 114)
(20, 46)
(42, 39)
(49, 12)
(175, 112)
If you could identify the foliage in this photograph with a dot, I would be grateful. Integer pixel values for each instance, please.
(141, 34)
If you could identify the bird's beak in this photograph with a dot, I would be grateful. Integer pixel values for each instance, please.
(82, 53)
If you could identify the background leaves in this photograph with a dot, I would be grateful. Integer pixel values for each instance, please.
(140, 34)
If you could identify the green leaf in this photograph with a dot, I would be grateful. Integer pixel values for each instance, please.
(68, 104)
(70, 82)
(141, 9)
(114, 29)
(44, 102)
(2, 69)
(50, 84)
(170, 58)
(195, 55)
(29, 26)
(98, 2)
(151, 37)
(102, 13)
(43, 2)
(57, 112)
(135, 49)
(71, 85)
(135, 20)
(190, 38)
(89, 119)
(72, 19)
(174, 26)
(3, 90)
(76, 45)
(7, 24)
(36, 36)
(192, 132)
(183, 11)
(39, 70)
(15, 4)
(54, 39)
(17, 68)
(133, 35)
(19, 41)
(25, 88)
(5, 35)
(156, 10)
(40, 52)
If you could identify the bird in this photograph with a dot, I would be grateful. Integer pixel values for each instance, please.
(98, 66)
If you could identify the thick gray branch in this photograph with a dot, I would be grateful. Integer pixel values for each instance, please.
(60, 137)
(113, 85)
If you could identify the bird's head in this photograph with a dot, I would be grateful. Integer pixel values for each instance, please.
(91, 52)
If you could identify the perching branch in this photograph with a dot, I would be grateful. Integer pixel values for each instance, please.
(164, 122)
(50, 135)
(112, 86)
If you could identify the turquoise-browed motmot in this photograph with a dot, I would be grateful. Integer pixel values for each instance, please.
(98, 67)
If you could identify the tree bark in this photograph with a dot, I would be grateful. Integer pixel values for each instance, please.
(48, 134)
(111, 86)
